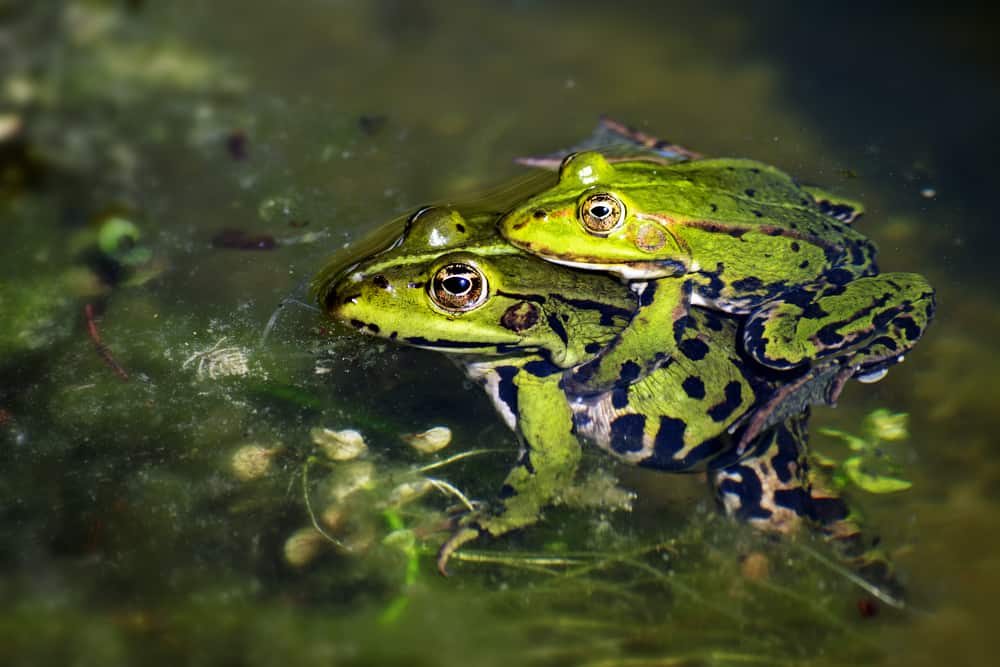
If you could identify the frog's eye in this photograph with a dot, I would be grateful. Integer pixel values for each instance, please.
(602, 213)
(458, 288)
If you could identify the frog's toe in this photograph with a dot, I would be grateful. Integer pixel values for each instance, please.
(460, 537)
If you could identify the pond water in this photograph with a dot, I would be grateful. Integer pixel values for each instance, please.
(160, 473)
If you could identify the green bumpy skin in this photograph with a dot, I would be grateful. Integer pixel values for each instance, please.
(728, 234)
(516, 328)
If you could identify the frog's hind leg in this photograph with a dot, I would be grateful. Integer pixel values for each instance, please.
(769, 488)
(868, 323)
(774, 489)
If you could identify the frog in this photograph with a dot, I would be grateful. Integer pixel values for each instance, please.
(517, 325)
(730, 234)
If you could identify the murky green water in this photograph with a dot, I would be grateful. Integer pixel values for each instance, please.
(126, 533)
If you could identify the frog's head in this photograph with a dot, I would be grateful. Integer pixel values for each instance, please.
(598, 217)
(483, 297)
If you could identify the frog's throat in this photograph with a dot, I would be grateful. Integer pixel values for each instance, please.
(643, 270)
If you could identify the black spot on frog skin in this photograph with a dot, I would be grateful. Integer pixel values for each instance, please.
(380, 281)
(829, 336)
(750, 192)
(557, 328)
(506, 389)
(506, 491)
(758, 214)
(814, 311)
(358, 324)
(712, 321)
(694, 387)
(715, 284)
(787, 457)
(909, 327)
(829, 510)
(541, 368)
(734, 397)
(858, 256)
(796, 499)
(669, 438)
(694, 349)
(794, 245)
(749, 491)
(608, 312)
(393, 335)
(666, 448)
(629, 372)
(839, 276)
(751, 284)
(680, 326)
(592, 348)
(460, 227)
(713, 207)
(648, 292)
(619, 398)
(626, 433)
(885, 341)
(804, 264)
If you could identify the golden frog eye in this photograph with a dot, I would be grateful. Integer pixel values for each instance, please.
(458, 288)
(602, 213)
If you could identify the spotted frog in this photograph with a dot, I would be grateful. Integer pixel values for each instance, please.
(518, 324)
(733, 235)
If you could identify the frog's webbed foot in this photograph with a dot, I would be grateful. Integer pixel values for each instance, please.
(461, 536)
(777, 490)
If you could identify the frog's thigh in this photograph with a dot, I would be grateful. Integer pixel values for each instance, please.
(650, 337)
(549, 459)
(769, 489)
(880, 317)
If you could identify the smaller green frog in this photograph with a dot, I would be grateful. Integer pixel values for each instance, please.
(516, 323)
(729, 234)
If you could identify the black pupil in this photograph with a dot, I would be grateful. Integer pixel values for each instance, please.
(457, 284)
(600, 210)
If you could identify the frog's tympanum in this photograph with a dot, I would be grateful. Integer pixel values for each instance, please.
(729, 234)
(518, 325)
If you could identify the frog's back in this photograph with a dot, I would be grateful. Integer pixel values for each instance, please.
(735, 196)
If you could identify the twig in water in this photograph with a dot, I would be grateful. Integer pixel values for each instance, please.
(102, 349)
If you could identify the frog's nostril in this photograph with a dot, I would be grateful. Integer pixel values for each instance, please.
(539, 214)
(381, 281)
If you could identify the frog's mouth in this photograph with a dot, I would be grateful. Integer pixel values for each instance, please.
(639, 270)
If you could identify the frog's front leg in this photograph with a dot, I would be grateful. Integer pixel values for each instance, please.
(875, 319)
(652, 336)
(548, 462)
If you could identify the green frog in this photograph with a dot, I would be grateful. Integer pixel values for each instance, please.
(517, 324)
(734, 235)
